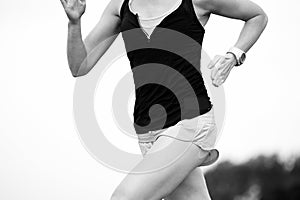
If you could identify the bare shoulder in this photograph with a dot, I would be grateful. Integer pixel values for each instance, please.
(204, 6)
(113, 7)
(116, 5)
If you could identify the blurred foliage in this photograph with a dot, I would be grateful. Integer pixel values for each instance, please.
(262, 178)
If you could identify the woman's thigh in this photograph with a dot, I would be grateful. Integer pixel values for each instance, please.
(171, 170)
(193, 187)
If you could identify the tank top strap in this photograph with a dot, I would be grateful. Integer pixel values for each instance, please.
(188, 6)
(122, 10)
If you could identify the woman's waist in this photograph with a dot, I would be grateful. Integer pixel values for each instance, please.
(161, 123)
(187, 101)
(188, 107)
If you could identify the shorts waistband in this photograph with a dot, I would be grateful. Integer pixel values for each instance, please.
(151, 135)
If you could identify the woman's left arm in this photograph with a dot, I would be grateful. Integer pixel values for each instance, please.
(255, 22)
(253, 15)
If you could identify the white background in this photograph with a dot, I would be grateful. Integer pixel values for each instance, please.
(41, 156)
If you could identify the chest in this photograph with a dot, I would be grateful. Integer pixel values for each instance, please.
(152, 8)
(181, 22)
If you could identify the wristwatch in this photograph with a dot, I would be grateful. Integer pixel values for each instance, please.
(239, 54)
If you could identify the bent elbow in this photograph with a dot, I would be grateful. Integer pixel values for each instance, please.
(76, 75)
(76, 72)
(265, 19)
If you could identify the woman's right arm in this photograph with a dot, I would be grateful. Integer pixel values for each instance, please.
(84, 54)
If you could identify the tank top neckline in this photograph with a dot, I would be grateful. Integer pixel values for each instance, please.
(175, 7)
(136, 16)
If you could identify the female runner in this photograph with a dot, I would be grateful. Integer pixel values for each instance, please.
(181, 121)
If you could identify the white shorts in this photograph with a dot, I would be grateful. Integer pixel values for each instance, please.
(201, 131)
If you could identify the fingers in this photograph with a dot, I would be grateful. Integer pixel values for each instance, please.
(221, 67)
(215, 66)
(226, 69)
(68, 3)
(64, 3)
(83, 2)
(213, 74)
(216, 83)
(214, 61)
(220, 73)
(219, 81)
(220, 78)
(228, 65)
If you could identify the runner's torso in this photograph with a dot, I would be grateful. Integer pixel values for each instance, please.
(166, 67)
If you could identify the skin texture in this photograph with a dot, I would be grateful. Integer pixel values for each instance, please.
(189, 182)
(159, 184)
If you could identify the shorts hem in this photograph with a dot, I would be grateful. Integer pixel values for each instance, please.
(213, 152)
(211, 159)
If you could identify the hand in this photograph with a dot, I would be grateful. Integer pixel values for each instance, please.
(74, 9)
(221, 67)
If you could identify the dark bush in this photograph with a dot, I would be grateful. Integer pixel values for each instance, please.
(262, 178)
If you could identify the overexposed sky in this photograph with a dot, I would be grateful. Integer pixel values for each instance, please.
(41, 156)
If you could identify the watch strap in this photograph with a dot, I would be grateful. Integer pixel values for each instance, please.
(239, 54)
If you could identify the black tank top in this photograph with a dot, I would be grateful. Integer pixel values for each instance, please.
(166, 68)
